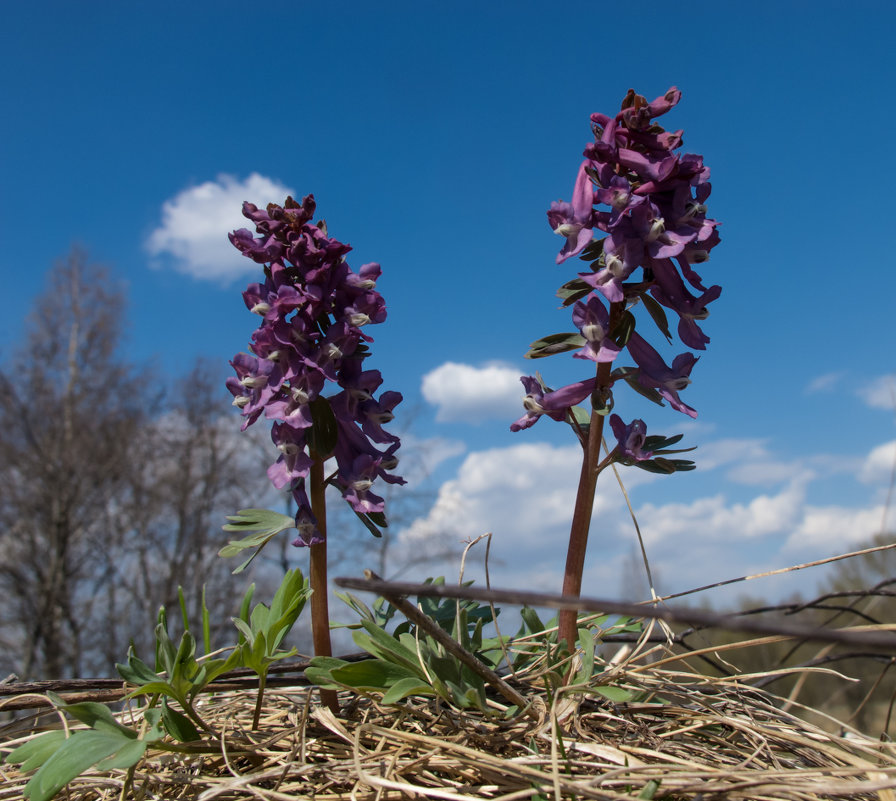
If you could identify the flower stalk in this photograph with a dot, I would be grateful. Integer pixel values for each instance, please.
(317, 576)
(581, 517)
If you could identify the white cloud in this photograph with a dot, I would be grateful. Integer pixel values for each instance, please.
(521, 489)
(463, 393)
(824, 383)
(878, 466)
(196, 222)
(727, 451)
(825, 530)
(525, 495)
(714, 517)
(880, 393)
(421, 456)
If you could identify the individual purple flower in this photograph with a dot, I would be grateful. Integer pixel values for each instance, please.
(592, 319)
(554, 403)
(293, 463)
(306, 522)
(654, 372)
(670, 290)
(573, 220)
(630, 438)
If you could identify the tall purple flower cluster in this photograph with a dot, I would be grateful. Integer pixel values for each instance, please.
(314, 310)
(649, 200)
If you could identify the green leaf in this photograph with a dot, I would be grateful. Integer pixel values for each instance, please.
(383, 645)
(136, 671)
(318, 672)
(91, 713)
(160, 687)
(206, 626)
(555, 343)
(586, 671)
(371, 674)
(266, 525)
(572, 291)
(245, 630)
(593, 250)
(36, 751)
(665, 466)
(404, 687)
(183, 608)
(246, 603)
(658, 314)
(649, 790)
(178, 725)
(655, 442)
(624, 328)
(367, 520)
(531, 619)
(82, 750)
(617, 695)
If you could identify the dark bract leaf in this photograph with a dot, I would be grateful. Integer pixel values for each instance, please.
(593, 250)
(658, 314)
(648, 392)
(624, 328)
(324, 430)
(572, 291)
(555, 343)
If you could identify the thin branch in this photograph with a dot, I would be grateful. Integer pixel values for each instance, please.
(883, 638)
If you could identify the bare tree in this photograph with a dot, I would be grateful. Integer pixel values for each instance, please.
(68, 410)
(112, 496)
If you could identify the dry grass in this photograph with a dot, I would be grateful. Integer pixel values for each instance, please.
(686, 737)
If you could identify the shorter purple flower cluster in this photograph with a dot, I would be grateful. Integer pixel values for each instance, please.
(313, 309)
(651, 203)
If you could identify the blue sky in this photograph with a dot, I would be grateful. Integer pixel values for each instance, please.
(434, 137)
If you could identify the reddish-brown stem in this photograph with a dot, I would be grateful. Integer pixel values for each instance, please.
(581, 517)
(320, 612)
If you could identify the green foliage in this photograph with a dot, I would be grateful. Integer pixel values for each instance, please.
(408, 661)
(264, 523)
(178, 676)
(537, 651)
(105, 744)
(262, 630)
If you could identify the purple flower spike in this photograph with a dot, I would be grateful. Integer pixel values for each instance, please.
(630, 438)
(313, 307)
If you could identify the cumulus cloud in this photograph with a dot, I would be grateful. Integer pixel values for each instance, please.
(880, 393)
(525, 494)
(464, 393)
(825, 530)
(879, 464)
(192, 237)
(521, 489)
(420, 456)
